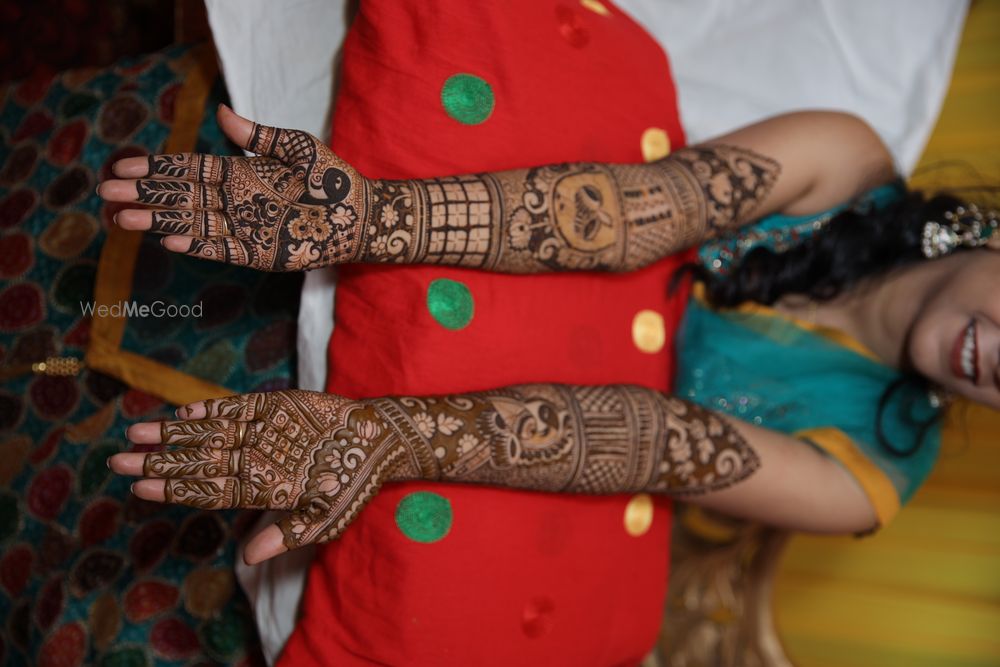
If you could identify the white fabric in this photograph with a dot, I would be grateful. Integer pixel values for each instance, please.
(734, 62)
(739, 61)
(278, 62)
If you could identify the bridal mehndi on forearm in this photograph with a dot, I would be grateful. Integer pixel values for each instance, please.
(548, 437)
(298, 206)
(323, 457)
(578, 216)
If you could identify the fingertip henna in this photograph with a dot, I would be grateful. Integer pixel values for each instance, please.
(262, 139)
(202, 247)
(172, 222)
(294, 209)
(216, 433)
(168, 194)
(207, 494)
(229, 407)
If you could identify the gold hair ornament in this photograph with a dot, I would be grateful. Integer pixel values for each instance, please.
(965, 227)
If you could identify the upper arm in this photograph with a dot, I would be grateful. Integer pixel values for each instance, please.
(796, 487)
(825, 158)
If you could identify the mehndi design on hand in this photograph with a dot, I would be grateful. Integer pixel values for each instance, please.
(298, 206)
(295, 206)
(322, 457)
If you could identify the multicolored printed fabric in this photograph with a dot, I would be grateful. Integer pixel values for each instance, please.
(53, 35)
(88, 573)
(242, 330)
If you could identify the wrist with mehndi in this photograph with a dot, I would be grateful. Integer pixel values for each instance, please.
(392, 229)
(401, 427)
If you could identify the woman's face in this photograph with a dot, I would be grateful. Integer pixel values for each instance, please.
(955, 340)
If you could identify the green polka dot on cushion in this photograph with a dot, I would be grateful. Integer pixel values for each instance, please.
(467, 98)
(424, 516)
(450, 303)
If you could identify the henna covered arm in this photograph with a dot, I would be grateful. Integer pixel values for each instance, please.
(566, 217)
(298, 206)
(624, 439)
(560, 438)
(322, 457)
(585, 216)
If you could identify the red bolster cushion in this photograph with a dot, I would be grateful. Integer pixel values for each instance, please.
(438, 574)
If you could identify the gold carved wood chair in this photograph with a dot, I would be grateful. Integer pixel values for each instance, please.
(719, 604)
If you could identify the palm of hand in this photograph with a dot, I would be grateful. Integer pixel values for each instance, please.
(294, 206)
(322, 457)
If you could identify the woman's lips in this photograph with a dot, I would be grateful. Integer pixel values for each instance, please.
(965, 354)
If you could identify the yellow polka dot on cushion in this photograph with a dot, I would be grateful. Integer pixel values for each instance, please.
(648, 331)
(655, 144)
(638, 515)
(596, 6)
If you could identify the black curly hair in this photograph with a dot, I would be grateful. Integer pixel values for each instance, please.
(856, 245)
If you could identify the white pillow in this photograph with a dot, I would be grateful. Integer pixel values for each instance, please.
(739, 61)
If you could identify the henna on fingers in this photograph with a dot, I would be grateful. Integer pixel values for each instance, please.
(189, 166)
(293, 207)
(221, 249)
(297, 206)
(322, 457)
(207, 494)
(243, 407)
(218, 433)
(197, 462)
(178, 194)
(192, 223)
(173, 222)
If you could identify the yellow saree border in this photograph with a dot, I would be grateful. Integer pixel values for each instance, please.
(876, 485)
(116, 265)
